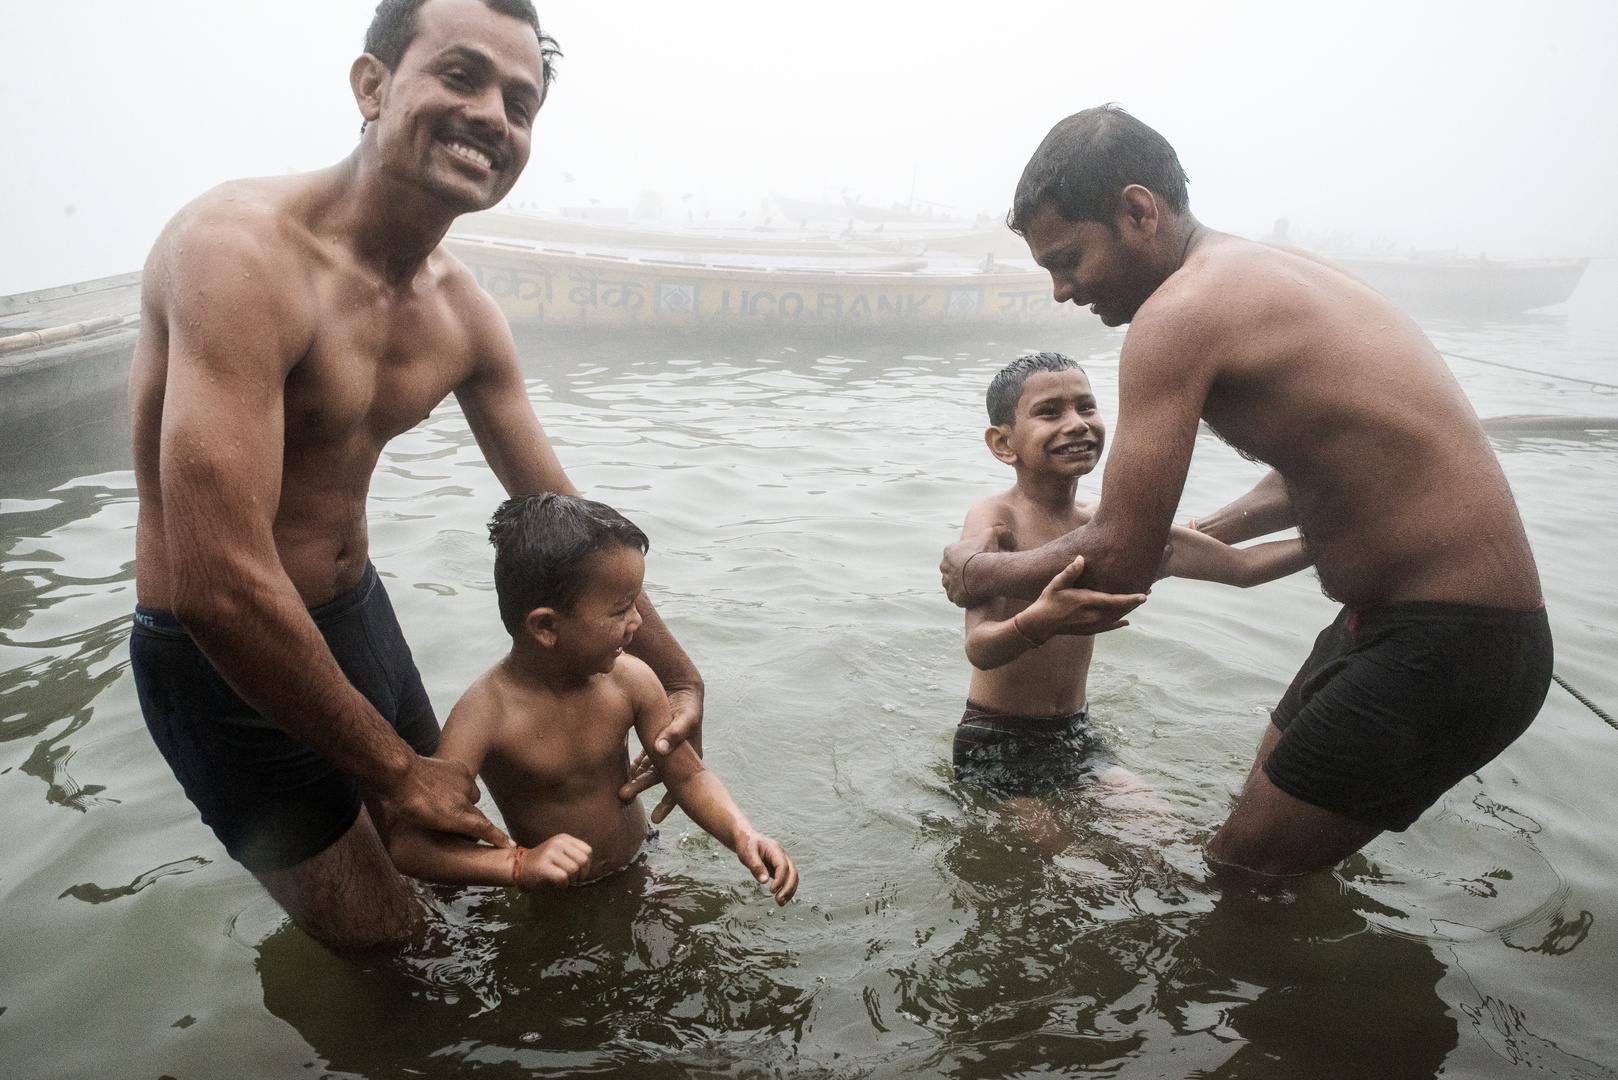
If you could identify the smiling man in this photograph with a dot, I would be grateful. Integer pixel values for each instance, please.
(1441, 655)
(291, 327)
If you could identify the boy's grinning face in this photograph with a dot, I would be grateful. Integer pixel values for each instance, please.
(602, 621)
(1058, 429)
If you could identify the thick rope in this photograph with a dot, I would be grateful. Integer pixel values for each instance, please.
(1586, 702)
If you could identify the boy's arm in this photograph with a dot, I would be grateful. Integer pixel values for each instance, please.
(700, 793)
(456, 860)
(989, 643)
(1264, 510)
(1194, 555)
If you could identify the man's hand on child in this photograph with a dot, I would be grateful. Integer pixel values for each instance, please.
(769, 863)
(953, 566)
(685, 726)
(561, 860)
(1064, 608)
(439, 795)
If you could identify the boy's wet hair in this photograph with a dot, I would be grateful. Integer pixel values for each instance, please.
(393, 28)
(1087, 160)
(542, 547)
(1005, 390)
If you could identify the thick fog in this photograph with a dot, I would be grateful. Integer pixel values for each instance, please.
(1469, 125)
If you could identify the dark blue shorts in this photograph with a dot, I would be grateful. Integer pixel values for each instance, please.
(271, 801)
(1398, 702)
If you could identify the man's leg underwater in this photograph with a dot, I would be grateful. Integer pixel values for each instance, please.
(1272, 833)
(349, 897)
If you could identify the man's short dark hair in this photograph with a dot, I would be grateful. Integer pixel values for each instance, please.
(393, 28)
(1005, 389)
(1085, 163)
(542, 547)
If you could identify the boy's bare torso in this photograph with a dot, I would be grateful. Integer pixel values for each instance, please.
(1393, 482)
(359, 359)
(1049, 680)
(555, 761)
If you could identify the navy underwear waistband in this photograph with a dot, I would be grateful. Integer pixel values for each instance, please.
(167, 624)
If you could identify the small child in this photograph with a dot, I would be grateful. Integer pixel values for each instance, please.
(1026, 725)
(547, 727)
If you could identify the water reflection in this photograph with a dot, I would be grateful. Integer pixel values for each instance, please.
(647, 972)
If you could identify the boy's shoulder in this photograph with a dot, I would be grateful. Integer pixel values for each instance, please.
(997, 509)
(634, 676)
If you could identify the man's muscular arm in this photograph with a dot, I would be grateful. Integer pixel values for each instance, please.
(495, 401)
(236, 328)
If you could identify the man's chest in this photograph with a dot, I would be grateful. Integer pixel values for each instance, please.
(373, 372)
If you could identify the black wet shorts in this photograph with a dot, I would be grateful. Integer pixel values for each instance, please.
(271, 801)
(1399, 702)
(1008, 756)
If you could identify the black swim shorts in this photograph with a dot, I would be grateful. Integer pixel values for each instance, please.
(1399, 702)
(271, 801)
(1008, 756)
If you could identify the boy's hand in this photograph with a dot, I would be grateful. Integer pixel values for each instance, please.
(561, 860)
(1064, 608)
(769, 863)
(958, 554)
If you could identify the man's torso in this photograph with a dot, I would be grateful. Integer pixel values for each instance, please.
(1395, 487)
(366, 360)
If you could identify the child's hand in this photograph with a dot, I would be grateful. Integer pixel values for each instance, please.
(1064, 608)
(561, 860)
(769, 863)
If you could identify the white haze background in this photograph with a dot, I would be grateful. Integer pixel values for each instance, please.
(1471, 125)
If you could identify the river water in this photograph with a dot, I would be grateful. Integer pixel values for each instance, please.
(797, 497)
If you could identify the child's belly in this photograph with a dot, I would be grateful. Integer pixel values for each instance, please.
(614, 831)
(1047, 681)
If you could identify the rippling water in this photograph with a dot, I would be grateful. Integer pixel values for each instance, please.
(797, 498)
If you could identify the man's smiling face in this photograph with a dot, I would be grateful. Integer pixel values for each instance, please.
(457, 114)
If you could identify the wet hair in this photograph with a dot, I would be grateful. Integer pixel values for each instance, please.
(1087, 160)
(1005, 389)
(393, 28)
(542, 549)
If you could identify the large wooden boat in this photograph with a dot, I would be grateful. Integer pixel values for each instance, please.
(538, 285)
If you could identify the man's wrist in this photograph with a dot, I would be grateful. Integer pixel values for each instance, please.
(966, 569)
(390, 769)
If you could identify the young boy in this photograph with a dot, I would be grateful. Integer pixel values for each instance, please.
(1026, 725)
(547, 727)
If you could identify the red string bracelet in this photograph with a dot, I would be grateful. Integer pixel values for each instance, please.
(516, 866)
(1017, 627)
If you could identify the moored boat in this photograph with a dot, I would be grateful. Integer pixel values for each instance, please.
(538, 286)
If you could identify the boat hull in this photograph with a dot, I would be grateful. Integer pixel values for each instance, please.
(562, 290)
(1469, 287)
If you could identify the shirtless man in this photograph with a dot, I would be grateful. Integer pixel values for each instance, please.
(291, 327)
(1442, 653)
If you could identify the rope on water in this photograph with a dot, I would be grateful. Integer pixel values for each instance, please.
(1586, 702)
(1529, 371)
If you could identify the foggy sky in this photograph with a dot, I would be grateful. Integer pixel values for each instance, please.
(1472, 125)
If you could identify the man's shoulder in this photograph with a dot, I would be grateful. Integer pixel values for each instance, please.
(467, 302)
(242, 229)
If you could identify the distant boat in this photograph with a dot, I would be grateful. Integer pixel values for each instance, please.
(1469, 287)
(539, 286)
